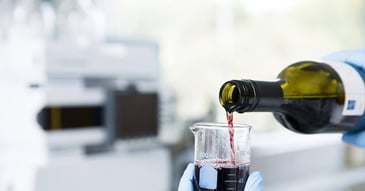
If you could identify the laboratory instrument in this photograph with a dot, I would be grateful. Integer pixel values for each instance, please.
(77, 92)
(307, 97)
(215, 169)
(83, 86)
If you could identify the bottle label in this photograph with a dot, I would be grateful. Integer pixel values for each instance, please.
(354, 88)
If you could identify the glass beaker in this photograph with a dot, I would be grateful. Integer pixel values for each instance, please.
(221, 161)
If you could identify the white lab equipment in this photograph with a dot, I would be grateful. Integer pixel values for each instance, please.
(23, 146)
(77, 82)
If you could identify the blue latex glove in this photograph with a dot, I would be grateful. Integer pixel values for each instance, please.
(356, 58)
(254, 182)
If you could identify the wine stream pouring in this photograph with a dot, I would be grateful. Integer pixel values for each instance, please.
(307, 97)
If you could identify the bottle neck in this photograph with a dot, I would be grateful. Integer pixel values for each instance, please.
(249, 96)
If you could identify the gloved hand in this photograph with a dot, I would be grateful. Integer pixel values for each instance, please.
(355, 58)
(254, 182)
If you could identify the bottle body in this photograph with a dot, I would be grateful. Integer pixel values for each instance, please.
(307, 97)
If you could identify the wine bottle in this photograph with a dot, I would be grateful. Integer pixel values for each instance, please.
(307, 96)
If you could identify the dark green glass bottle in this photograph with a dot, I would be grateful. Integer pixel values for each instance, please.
(307, 97)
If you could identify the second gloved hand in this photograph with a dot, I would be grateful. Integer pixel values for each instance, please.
(254, 181)
(355, 58)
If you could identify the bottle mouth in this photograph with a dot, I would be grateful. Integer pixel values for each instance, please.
(238, 95)
(229, 96)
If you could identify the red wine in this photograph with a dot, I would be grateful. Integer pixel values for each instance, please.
(231, 135)
(229, 177)
(229, 119)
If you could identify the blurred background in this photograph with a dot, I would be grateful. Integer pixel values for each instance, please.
(99, 95)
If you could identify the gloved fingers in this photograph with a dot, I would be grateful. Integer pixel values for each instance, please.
(186, 181)
(356, 134)
(255, 182)
(208, 177)
(356, 139)
(355, 57)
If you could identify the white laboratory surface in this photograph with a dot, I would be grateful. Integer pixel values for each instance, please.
(139, 169)
(299, 162)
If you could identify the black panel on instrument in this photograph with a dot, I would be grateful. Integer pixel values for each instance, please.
(70, 117)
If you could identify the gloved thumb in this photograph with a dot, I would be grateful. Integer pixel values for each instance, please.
(186, 181)
(255, 182)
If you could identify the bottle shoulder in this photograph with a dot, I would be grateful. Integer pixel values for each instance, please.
(310, 79)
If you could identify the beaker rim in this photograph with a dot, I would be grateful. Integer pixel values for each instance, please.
(218, 125)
